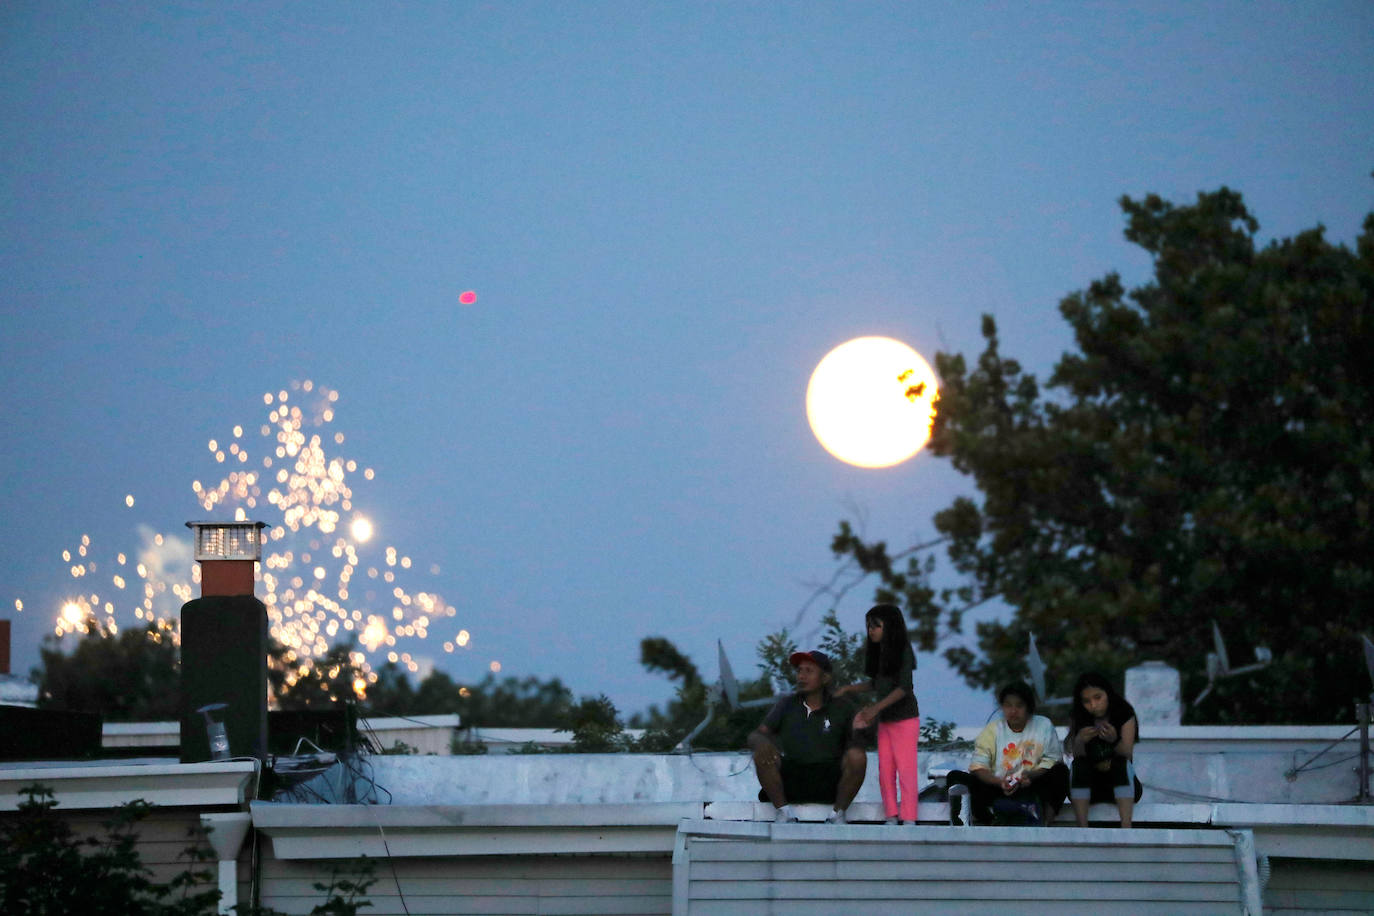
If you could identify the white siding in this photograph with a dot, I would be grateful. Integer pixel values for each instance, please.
(881, 870)
(486, 884)
(424, 734)
(1311, 886)
(164, 837)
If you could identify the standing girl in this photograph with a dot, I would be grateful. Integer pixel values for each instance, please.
(1102, 735)
(889, 664)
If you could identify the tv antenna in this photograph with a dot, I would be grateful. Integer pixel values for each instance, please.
(726, 688)
(1219, 664)
(1037, 674)
(1362, 713)
(1369, 660)
(1364, 797)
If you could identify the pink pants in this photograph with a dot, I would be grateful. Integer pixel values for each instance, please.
(897, 743)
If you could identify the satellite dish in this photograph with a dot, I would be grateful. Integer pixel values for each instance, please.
(1037, 674)
(728, 684)
(1223, 662)
(1037, 668)
(1369, 657)
(726, 688)
(1219, 663)
(1214, 671)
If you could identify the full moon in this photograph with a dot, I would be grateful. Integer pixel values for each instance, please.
(871, 402)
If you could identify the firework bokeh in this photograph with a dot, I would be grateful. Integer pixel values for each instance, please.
(325, 577)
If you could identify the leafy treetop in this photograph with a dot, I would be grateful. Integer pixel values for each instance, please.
(1207, 453)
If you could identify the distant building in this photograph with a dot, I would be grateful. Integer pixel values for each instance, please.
(15, 691)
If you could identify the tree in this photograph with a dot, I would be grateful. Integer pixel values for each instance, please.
(393, 695)
(126, 676)
(1206, 454)
(509, 703)
(665, 728)
(135, 675)
(596, 727)
(730, 727)
(324, 683)
(47, 870)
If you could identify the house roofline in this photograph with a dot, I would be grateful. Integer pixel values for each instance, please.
(166, 783)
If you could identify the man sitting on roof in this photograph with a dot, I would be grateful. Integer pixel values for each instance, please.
(805, 750)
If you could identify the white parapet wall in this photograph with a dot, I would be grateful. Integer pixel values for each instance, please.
(1179, 766)
(419, 734)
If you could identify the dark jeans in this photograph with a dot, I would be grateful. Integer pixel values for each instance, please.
(809, 782)
(1048, 789)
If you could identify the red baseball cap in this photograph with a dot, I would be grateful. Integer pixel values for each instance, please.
(820, 659)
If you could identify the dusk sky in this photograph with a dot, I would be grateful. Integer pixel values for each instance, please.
(669, 213)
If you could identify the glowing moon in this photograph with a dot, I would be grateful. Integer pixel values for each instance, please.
(871, 402)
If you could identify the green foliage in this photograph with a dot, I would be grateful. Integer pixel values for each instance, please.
(728, 728)
(508, 703)
(458, 746)
(596, 727)
(659, 654)
(46, 870)
(328, 681)
(534, 747)
(939, 735)
(126, 677)
(343, 893)
(1206, 454)
(664, 729)
(846, 650)
(773, 652)
(393, 695)
(134, 675)
(400, 749)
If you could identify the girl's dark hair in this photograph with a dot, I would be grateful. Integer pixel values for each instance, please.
(1117, 706)
(1018, 689)
(886, 657)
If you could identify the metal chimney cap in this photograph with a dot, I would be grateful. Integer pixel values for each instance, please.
(227, 540)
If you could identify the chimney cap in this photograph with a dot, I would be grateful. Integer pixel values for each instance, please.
(227, 540)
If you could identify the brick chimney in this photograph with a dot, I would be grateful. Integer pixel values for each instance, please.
(224, 645)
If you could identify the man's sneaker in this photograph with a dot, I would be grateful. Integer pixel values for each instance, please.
(836, 816)
(784, 815)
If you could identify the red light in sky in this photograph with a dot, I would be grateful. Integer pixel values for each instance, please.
(467, 298)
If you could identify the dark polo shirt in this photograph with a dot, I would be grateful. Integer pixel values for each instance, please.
(806, 737)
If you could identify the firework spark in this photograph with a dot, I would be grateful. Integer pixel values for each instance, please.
(321, 581)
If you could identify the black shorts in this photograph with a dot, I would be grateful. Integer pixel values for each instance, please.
(1100, 786)
(809, 782)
